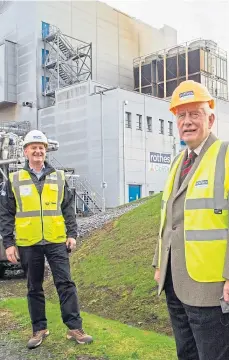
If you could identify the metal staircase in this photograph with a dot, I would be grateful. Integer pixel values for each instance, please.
(87, 200)
(66, 60)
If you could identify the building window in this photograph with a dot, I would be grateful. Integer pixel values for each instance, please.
(45, 29)
(44, 83)
(170, 128)
(128, 120)
(149, 123)
(162, 126)
(44, 55)
(139, 122)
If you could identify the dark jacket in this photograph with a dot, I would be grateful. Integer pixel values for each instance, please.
(8, 207)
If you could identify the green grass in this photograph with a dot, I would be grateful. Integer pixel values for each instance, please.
(113, 270)
(113, 273)
(113, 340)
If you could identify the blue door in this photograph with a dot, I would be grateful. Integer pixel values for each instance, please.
(134, 192)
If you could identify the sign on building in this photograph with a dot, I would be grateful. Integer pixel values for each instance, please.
(160, 161)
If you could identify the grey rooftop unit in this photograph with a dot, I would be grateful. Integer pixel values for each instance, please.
(158, 74)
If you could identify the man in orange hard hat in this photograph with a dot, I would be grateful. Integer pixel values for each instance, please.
(192, 255)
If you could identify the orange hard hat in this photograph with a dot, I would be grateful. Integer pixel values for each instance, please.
(190, 91)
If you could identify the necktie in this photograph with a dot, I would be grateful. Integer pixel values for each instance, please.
(187, 165)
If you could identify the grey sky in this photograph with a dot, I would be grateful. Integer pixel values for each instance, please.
(192, 18)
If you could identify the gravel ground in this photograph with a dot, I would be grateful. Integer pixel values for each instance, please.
(13, 350)
(86, 225)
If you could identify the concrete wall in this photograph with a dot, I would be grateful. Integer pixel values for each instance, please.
(8, 73)
(140, 143)
(75, 122)
(17, 25)
(116, 37)
(221, 125)
(103, 156)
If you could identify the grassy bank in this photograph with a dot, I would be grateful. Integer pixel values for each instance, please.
(113, 273)
(113, 340)
(113, 270)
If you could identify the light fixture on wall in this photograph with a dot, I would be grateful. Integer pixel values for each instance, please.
(27, 104)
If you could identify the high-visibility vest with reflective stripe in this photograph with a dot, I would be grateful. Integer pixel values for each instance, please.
(205, 214)
(38, 216)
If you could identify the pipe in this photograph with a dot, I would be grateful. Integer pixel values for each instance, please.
(102, 151)
(124, 160)
(8, 161)
(164, 75)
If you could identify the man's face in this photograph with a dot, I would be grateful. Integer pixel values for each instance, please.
(35, 153)
(194, 123)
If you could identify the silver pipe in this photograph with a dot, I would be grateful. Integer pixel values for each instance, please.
(124, 160)
(102, 152)
(8, 161)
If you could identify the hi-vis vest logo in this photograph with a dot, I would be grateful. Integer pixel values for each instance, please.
(25, 190)
(201, 184)
(51, 176)
(186, 95)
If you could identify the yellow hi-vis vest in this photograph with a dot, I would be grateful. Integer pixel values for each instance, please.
(205, 214)
(38, 216)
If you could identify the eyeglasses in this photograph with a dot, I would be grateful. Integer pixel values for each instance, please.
(196, 114)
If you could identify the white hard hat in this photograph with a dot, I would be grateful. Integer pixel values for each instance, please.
(35, 136)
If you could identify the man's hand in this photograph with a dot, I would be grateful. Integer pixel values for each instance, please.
(71, 243)
(12, 254)
(226, 291)
(157, 275)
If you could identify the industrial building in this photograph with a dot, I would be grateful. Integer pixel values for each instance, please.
(108, 39)
(122, 141)
(79, 72)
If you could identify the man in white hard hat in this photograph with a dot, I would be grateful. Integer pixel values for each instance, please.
(38, 204)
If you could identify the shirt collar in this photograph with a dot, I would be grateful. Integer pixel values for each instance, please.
(43, 167)
(199, 148)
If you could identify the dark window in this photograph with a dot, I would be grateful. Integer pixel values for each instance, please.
(149, 123)
(139, 122)
(170, 128)
(128, 120)
(162, 126)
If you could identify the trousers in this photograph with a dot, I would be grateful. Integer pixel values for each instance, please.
(58, 259)
(201, 333)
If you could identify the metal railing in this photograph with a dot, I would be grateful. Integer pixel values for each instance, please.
(91, 200)
(87, 200)
(66, 60)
